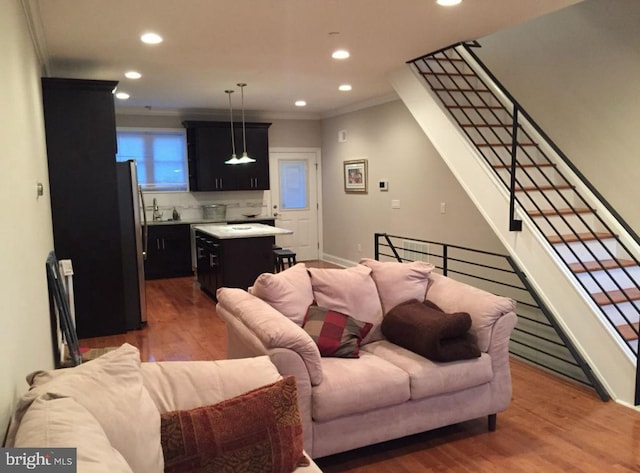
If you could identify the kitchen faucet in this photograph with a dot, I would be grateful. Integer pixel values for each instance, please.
(157, 215)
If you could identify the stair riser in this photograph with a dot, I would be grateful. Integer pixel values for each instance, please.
(464, 99)
(443, 66)
(606, 279)
(533, 200)
(581, 252)
(453, 82)
(530, 176)
(567, 224)
(468, 116)
(630, 311)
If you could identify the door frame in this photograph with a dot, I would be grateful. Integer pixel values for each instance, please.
(318, 154)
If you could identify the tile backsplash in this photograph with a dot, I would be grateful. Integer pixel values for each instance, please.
(189, 204)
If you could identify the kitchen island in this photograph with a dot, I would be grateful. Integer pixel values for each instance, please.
(233, 255)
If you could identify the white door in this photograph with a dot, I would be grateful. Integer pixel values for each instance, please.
(294, 197)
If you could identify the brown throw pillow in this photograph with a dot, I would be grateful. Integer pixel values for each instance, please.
(335, 334)
(429, 332)
(257, 432)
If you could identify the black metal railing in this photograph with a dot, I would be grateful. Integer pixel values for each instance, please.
(490, 118)
(537, 337)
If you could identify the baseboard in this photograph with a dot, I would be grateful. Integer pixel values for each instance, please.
(339, 261)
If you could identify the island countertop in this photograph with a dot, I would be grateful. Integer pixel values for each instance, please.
(242, 230)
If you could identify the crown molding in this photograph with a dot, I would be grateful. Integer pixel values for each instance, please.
(217, 114)
(33, 18)
(361, 105)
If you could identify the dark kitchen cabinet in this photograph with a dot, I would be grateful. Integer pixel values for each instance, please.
(79, 119)
(209, 146)
(233, 262)
(168, 251)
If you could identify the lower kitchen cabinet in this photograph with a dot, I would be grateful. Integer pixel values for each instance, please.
(235, 262)
(168, 252)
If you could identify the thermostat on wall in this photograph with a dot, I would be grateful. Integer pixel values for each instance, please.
(383, 185)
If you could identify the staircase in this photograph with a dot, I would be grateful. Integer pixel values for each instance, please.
(577, 251)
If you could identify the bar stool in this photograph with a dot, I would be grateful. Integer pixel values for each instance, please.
(280, 255)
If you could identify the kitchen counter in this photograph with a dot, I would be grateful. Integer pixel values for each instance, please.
(200, 221)
(241, 230)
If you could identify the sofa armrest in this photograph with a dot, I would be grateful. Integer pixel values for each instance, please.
(251, 320)
(182, 385)
(485, 308)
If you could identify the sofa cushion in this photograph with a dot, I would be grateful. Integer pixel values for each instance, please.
(111, 389)
(52, 422)
(289, 292)
(271, 327)
(399, 282)
(260, 431)
(430, 378)
(358, 385)
(335, 334)
(349, 291)
(181, 385)
(429, 332)
(485, 308)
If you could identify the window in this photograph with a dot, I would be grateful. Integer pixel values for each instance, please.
(293, 184)
(161, 155)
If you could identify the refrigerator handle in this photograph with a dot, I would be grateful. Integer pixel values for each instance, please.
(145, 227)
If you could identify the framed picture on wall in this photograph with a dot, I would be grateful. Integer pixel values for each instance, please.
(355, 176)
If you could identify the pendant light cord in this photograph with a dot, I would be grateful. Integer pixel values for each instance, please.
(244, 133)
(233, 141)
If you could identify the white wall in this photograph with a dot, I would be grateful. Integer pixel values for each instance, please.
(398, 150)
(576, 72)
(26, 231)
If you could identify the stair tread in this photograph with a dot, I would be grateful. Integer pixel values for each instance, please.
(616, 297)
(483, 107)
(551, 212)
(457, 89)
(582, 237)
(544, 188)
(506, 145)
(457, 74)
(524, 165)
(489, 125)
(588, 266)
(627, 332)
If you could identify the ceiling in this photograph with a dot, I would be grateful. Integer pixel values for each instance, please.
(280, 48)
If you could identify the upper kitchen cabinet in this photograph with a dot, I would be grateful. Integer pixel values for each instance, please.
(209, 146)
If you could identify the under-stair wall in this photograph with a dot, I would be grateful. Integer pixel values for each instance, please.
(548, 269)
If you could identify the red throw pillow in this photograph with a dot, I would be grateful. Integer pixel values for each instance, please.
(335, 334)
(257, 432)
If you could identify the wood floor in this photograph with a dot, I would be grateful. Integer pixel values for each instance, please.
(551, 426)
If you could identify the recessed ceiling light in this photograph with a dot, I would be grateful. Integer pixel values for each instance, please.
(151, 38)
(340, 54)
(122, 95)
(345, 87)
(132, 75)
(448, 3)
(301, 103)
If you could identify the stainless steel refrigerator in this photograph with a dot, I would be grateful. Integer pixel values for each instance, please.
(133, 238)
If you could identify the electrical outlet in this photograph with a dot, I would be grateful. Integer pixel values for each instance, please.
(443, 207)
(359, 248)
(395, 203)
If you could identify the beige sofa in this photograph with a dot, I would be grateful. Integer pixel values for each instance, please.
(388, 392)
(110, 408)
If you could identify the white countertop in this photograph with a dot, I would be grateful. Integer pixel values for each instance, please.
(241, 230)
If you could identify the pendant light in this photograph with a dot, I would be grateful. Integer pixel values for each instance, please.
(233, 159)
(245, 157)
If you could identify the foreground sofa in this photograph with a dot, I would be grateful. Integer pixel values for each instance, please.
(388, 391)
(110, 410)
